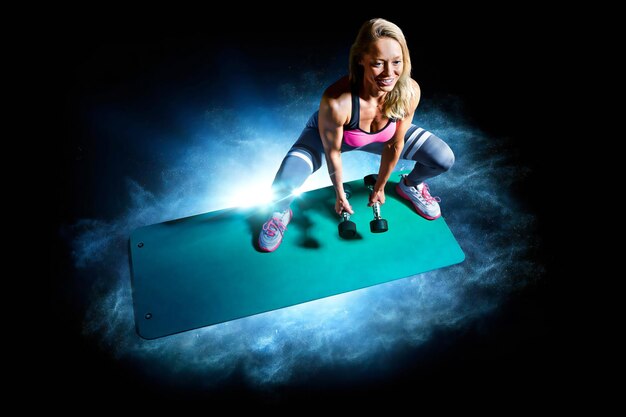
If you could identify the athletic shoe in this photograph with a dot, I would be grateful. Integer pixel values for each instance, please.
(273, 230)
(426, 205)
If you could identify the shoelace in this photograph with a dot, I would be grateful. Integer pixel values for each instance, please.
(428, 199)
(272, 226)
(426, 194)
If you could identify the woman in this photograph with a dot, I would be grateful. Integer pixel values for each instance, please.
(370, 110)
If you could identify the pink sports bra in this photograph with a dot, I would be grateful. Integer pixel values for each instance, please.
(356, 137)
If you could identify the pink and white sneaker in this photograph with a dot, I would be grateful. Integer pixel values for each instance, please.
(426, 205)
(273, 230)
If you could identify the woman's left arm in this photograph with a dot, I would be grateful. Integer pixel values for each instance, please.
(392, 151)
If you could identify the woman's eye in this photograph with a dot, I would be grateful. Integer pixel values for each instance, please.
(397, 62)
(377, 64)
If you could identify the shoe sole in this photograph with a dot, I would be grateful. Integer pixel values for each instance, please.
(402, 194)
(280, 241)
(269, 249)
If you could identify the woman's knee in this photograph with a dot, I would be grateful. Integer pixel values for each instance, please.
(445, 158)
(436, 154)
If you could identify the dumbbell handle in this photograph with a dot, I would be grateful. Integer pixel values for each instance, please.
(376, 205)
(345, 215)
(376, 209)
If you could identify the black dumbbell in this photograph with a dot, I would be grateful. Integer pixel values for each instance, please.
(347, 228)
(378, 225)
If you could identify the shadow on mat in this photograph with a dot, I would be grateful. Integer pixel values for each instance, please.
(304, 223)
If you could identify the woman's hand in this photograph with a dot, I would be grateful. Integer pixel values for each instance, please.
(342, 205)
(377, 196)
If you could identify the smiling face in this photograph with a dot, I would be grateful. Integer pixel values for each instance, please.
(382, 65)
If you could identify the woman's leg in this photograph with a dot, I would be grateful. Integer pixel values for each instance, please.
(432, 155)
(302, 160)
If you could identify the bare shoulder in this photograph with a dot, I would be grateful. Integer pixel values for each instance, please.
(415, 85)
(418, 93)
(336, 103)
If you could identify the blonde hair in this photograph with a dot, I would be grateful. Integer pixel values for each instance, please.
(398, 101)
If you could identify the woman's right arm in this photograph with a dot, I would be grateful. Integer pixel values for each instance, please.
(331, 123)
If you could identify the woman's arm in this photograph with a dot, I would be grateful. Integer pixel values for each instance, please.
(392, 151)
(331, 121)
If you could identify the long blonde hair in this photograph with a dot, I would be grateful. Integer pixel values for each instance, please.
(398, 101)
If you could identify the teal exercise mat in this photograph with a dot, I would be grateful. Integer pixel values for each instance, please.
(206, 269)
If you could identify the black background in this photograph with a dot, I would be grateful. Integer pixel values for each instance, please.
(491, 63)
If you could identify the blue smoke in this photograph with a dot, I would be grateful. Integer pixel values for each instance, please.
(207, 152)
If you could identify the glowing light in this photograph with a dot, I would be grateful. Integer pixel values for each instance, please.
(250, 197)
(297, 192)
